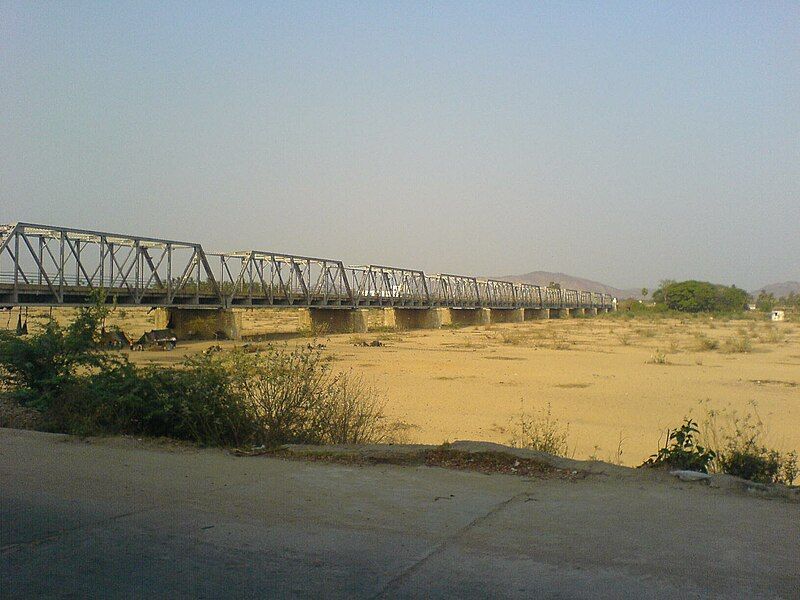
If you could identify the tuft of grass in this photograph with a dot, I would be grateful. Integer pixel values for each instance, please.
(514, 337)
(540, 431)
(658, 358)
(703, 343)
(772, 335)
(738, 344)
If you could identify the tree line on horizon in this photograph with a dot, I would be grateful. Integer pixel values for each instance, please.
(692, 296)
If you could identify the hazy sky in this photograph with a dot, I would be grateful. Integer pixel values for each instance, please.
(624, 142)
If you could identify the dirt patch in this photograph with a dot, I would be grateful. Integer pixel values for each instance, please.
(443, 457)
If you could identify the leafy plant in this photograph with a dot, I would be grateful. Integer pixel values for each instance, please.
(35, 370)
(682, 451)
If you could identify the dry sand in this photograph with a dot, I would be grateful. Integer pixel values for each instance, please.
(601, 376)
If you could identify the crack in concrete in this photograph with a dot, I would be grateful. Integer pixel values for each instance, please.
(61, 532)
(398, 579)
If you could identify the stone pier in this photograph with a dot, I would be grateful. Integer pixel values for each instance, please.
(337, 320)
(200, 323)
(559, 313)
(506, 315)
(469, 316)
(591, 312)
(416, 318)
(532, 314)
(576, 312)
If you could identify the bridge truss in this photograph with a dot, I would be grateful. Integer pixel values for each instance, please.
(43, 265)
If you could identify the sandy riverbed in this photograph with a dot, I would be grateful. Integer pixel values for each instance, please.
(604, 377)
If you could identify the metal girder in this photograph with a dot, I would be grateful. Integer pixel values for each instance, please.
(378, 285)
(498, 294)
(458, 291)
(257, 278)
(529, 296)
(48, 266)
(64, 266)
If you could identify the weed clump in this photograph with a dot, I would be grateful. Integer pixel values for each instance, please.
(703, 343)
(540, 431)
(658, 358)
(740, 343)
(743, 450)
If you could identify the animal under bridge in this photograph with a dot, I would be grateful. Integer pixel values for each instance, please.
(42, 265)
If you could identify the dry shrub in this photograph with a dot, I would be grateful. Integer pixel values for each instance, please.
(742, 443)
(740, 343)
(514, 337)
(16, 416)
(295, 397)
(539, 431)
(658, 358)
(772, 335)
(703, 343)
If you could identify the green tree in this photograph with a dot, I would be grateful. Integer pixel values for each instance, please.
(700, 296)
(765, 301)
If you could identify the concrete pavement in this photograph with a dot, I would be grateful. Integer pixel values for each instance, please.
(121, 519)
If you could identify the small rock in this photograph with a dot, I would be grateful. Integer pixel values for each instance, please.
(690, 475)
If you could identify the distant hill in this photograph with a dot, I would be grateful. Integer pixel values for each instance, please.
(780, 290)
(543, 278)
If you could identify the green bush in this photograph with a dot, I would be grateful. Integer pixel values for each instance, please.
(224, 399)
(682, 450)
(700, 296)
(754, 463)
(37, 370)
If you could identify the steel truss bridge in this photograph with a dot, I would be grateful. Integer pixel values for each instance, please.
(43, 265)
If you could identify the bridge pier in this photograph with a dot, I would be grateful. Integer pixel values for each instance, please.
(506, 315)
(559, 313)
(417, 318)
(200, 323)
(591, 312)
(576, 312)
(462, 317)
(337, 320)
(532, 314)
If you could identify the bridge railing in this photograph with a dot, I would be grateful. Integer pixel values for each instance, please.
(257, 278)
(377, 285)
(459, 291)
(46, 265)
(498, 294)
(529, 296)
(57, 265)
